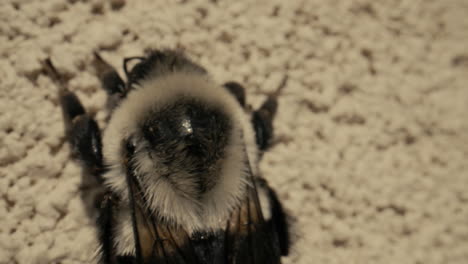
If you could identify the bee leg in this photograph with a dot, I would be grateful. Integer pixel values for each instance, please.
(82, 130)
(237, 90)
(85, 139)
(110, 80)
(262, 120)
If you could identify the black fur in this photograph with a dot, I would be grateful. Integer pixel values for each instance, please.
(190, 136)
(209, 247)
(160, 63)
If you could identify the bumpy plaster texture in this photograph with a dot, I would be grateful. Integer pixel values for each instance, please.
(372, 132)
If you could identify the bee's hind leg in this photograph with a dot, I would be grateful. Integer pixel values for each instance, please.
(82, 131)
(262, 118)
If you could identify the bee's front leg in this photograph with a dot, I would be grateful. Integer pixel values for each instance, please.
(82, 131)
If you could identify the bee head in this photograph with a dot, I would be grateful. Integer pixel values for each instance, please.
(186, 142)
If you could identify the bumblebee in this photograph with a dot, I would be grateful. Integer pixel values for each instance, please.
(178, 162)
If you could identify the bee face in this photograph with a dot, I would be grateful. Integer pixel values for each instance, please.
(187, 139)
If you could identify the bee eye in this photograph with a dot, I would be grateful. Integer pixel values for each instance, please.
(130, 145)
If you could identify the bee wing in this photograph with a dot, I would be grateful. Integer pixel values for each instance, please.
(249, 239)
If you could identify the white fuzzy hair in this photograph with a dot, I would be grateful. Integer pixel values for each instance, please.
(211, 211)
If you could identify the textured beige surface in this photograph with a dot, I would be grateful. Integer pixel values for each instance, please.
(372, 161)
